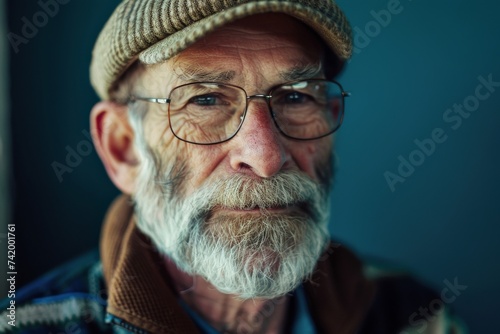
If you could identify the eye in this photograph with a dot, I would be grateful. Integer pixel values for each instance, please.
(295, 97)
(207, 100)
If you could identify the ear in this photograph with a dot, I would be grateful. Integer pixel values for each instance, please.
(114, 138)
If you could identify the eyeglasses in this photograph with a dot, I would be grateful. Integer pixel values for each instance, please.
(207, 113)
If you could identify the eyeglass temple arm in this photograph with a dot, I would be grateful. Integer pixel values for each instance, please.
(346, 94)
(150, 99)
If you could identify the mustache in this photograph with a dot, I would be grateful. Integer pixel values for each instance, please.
(240, 192)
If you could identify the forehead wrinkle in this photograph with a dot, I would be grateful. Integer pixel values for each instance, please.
(300, 72)
(192, 73)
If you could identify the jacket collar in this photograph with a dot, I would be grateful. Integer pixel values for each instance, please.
(141, 293)
(139, 290)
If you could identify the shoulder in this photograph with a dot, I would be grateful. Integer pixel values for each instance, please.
(68, 299)
(404, 305)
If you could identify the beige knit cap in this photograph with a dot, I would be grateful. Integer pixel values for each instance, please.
(156, 30)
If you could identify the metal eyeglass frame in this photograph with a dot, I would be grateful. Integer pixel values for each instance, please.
(267, 97)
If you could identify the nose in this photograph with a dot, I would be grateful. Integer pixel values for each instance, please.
(258, 147)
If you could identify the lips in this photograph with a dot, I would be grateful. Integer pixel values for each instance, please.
(297, 209)
(253, 208)
(256, 207)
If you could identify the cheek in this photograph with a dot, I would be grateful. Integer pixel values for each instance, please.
(202, 162)
(313, 156)
(157, 129)
(198, 161)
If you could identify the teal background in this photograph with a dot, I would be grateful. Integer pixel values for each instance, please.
(444, 220)
(441, 223)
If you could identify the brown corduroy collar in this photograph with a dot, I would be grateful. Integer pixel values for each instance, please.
(141, 293)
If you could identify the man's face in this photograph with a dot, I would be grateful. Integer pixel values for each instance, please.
(250, 214)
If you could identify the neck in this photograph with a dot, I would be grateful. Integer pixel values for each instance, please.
(225, 312)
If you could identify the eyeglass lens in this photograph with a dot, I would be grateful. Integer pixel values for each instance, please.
(206, 113)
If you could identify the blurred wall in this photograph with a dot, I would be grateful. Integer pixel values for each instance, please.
(4, 150)
(415, 63)
(417, 184)
(58, 216)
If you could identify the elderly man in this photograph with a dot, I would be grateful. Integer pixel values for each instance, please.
(216, 123)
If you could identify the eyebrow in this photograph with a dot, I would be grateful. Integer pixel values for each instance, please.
(199, 74)
(301, 72)
(193, 74)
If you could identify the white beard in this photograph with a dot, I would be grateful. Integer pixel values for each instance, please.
(250, 255)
